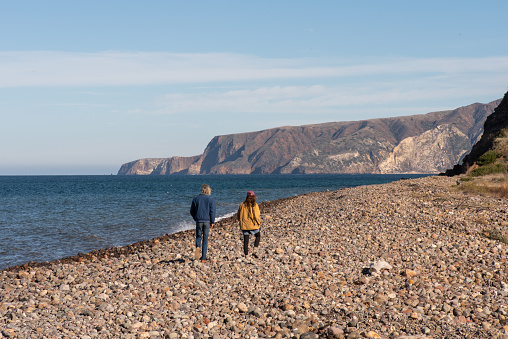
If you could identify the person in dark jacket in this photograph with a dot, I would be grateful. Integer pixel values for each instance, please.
(203, 212)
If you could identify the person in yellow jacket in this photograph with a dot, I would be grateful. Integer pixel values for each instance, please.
(250, 222)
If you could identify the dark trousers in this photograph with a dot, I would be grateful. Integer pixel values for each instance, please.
(246, 242)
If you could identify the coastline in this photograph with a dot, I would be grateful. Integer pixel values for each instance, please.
(142, 245)
(316, 274)
(118, 211)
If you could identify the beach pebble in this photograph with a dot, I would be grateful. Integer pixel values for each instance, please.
(407, 259)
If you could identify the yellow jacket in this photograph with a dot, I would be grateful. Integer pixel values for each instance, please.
(249, 217)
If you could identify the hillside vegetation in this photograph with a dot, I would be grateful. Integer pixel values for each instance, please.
(489, 174)
(485, 169)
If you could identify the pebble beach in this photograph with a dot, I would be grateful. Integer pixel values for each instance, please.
(407, 259)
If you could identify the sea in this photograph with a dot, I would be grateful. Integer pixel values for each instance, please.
(44, 218)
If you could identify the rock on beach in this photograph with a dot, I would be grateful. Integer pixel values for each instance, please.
(406, 259)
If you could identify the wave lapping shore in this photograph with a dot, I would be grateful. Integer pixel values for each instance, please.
(405, 259)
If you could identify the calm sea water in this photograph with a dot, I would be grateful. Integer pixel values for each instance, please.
(43, 218)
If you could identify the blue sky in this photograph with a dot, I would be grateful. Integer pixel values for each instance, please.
(86, 86)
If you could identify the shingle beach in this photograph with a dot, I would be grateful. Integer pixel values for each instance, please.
(401, 260)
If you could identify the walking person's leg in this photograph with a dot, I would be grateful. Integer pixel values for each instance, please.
(246, 244)
(206, 232)
(258, 239)
(199, 236)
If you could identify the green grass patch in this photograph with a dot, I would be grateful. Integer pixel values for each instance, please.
(501, 190)
(488, 169)
(498, 190)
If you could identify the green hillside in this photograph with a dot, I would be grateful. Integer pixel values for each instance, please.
(489, 174)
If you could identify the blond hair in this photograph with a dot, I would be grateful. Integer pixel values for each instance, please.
(205, 189)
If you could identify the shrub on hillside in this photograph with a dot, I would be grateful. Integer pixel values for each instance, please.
(487, 158)
(488, 169)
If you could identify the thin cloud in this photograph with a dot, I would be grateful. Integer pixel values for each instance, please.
(46, 68)
(325, 99)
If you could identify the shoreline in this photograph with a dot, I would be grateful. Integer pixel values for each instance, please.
(406, 258)
(121, 225)
(115, 252)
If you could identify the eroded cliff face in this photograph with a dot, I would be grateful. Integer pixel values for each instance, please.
(430, 152)
(427, 143)
(141, 166)
(161, 166)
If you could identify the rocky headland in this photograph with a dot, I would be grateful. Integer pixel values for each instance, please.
(408, 259)
(425, 143)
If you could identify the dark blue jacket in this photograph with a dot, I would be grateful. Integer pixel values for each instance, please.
(203, 208)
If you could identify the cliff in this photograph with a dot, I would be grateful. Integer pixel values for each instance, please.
(427, 143)
(494, 123)
(159, 166)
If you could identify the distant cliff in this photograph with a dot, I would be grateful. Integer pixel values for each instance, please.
(427, 143)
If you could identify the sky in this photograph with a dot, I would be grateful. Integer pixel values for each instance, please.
(86, 86)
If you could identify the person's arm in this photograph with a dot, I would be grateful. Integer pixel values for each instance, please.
(238, 214)
(193, 210)
(212, 212)
(257, 214)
